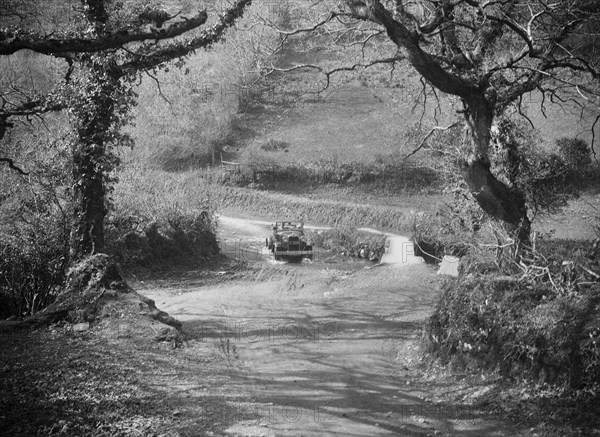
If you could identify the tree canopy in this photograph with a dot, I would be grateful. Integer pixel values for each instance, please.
(104, 53)
(489, 54)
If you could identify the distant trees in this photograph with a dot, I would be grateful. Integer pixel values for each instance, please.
(104, 53)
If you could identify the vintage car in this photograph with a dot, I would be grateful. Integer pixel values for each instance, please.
(288, 242)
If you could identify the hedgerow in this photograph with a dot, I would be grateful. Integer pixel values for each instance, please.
(351, 242)
(534, 317)
(159, 221)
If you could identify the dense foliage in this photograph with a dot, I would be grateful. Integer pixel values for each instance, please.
(351, 242)
(34, 226)
(529, 314)
(539, 319)
(104, 46)
(32, 267)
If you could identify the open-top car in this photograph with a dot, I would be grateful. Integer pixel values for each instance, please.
(288, 241)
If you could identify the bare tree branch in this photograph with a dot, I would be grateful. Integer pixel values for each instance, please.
(409, 42)
(151, 57)
(329, 73)
(148, 56)
(160, 93)
(429, 134)
(13, 41)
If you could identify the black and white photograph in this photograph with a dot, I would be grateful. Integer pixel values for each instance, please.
(299, 218)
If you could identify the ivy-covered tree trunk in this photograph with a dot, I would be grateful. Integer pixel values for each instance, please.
(104, 56)
(498, 199)
(89, 210)
(98, 111)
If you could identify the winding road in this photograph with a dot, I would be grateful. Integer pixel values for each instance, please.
(328, 348)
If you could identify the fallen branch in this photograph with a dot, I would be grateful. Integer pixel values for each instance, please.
(427, 253)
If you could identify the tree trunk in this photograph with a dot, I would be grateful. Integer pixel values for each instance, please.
(97, 131)
(497, 199)
(87, 229)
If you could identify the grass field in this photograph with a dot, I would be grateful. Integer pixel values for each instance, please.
(348, 123)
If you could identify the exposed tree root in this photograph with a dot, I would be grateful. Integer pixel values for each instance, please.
(94, 290)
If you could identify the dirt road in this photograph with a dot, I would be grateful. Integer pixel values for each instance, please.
(327, 348)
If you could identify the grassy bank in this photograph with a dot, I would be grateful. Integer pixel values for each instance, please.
(155, 193)
(323, 212)
(159, 221)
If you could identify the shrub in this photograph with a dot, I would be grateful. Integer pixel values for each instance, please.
(157, 219)
(575, 152)
(33, 260)
(34, 224)
(190, 118)
(180, 239)
(387, 173)
(448, 229)
(530, 315)
(522, 331)
(352, 242)
(547, 179)
(542, 324)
